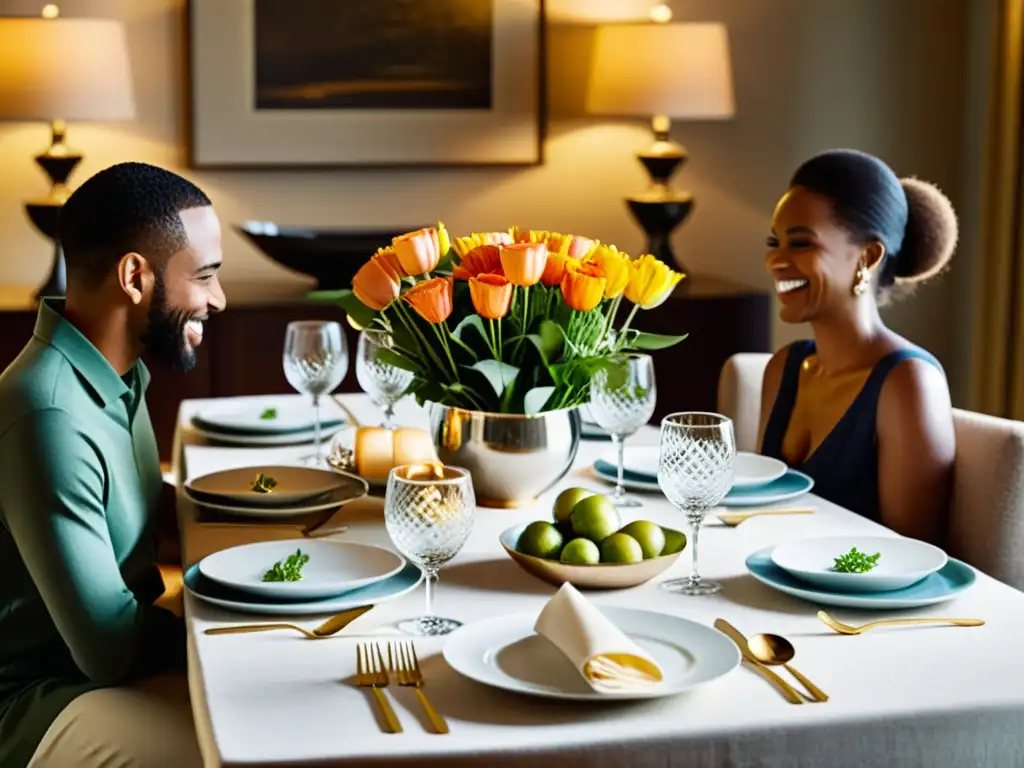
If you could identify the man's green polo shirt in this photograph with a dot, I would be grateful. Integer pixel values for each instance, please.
(79, 484)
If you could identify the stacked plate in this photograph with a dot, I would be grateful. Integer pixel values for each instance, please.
(758, 480)
(886, 572)
(275, 422)
(275, 490)
(333, 577)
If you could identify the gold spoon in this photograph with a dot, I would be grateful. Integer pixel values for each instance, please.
(846, 629)
(330, 627)
(732, 519)
(775, 650)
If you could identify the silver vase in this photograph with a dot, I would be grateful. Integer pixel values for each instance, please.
(513, 458)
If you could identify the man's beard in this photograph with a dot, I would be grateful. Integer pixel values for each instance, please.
(165, 337)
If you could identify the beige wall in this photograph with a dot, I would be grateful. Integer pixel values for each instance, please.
(881, 75)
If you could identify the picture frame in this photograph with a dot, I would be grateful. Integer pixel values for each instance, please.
(270, 89)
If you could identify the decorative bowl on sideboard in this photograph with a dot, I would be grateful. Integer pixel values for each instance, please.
(330, 254)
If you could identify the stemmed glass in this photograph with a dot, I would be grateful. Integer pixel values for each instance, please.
(315, 362)
(384, 383)
(428, 513)
(695, 471)
(622, 398)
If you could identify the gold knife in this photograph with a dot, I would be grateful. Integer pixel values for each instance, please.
(737, 637)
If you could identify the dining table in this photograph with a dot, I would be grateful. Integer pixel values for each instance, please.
(902, 696)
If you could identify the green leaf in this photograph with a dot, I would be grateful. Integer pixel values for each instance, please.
(644, 340)
(499, 375)
(551, 338)
(333, 295)
(471, 321)
(536, 398)
(354, 308)
(447, 262)
(391, 357)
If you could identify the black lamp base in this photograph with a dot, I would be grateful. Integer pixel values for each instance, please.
(58, 162)
(660, 209)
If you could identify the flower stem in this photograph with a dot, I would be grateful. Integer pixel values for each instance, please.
(629, 318)
(441, 332)
(411, 324)
(613, 310)
(494, 348)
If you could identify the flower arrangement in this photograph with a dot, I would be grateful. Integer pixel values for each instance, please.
(505, 322)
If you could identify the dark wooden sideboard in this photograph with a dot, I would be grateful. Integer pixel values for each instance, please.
(241, 351)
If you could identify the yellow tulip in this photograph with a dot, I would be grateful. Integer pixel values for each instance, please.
(523, 263)
(650, 281)
(443, 240)
(464, 245)
(615, 266)
(583, 286)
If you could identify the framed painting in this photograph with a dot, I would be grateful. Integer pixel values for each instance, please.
(365, 83)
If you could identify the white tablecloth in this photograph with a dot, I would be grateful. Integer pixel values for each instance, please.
(932, 696)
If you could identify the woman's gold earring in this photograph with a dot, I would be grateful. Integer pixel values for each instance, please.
(863, 281)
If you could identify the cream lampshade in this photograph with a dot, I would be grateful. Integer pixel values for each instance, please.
(661, 71)
(55, 69)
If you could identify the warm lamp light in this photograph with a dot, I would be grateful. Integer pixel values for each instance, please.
(55, 69)
(661, 71)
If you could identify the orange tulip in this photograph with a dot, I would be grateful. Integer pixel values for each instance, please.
(523, 263)
(482, 259)
(615, 267)
(583, 286)
(554, 270)
(418, 252)
(389, 255)
(491, 295)
(378, 281)
(432, 299)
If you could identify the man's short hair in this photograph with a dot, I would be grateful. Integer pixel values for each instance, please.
(129, 207)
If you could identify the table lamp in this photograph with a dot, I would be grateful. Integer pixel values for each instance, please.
(661, 71)
(54, 69)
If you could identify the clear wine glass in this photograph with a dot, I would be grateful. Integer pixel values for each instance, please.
(384, 383)
(622, 399)
(695, 471)
(428, 513)
(315, 363)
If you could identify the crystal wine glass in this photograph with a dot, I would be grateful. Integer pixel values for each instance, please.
(315, 362)
(428, 513)
(622, 398)
(384, 383)
(695, 471)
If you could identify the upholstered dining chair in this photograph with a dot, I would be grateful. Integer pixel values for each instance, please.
(986, 525)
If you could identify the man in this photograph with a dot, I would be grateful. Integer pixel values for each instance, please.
(80, 479)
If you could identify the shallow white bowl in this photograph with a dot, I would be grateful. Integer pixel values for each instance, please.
(903, 562)
(334, 567)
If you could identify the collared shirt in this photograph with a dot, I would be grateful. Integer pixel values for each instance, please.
(79, 484)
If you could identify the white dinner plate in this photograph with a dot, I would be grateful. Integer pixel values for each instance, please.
(211, 592)
(334, 567)
(505, 652)
(257, 439)
(901, 562)
(353, 488)
(751, 469)
(294, 484)
(266, 418)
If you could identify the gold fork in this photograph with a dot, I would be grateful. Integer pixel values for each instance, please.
(846, 629)
(403, 662)
(371, 673)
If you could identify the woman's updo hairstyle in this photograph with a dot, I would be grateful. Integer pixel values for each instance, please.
(913, 219)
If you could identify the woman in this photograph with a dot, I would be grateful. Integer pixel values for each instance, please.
(860, 409)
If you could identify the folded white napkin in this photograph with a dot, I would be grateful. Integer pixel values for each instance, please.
(608, 660)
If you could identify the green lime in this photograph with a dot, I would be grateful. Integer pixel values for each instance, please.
(675, 541)
(581, 552)
(595, 518)
(621, 548)
(649, 535)
(540, 539)
(567, 500)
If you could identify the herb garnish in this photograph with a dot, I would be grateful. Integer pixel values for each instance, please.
(270, 413)
(289, 569)
(856, 562)
(263, 483)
